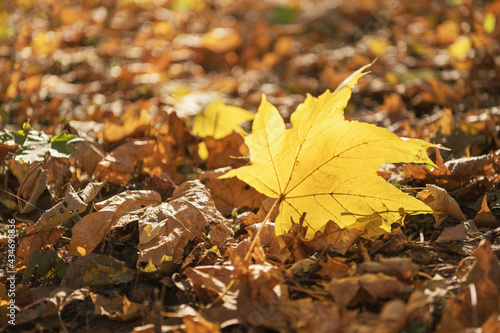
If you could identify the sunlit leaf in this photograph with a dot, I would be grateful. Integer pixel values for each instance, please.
(327, 166)
(220, 120)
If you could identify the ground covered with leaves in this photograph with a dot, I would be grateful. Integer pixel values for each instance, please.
(119, 117)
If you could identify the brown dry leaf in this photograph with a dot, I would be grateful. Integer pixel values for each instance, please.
(256, 280)
(162, 242)
(255, 293)
(492, 324)
(92, 228)
(391, 243)
(88, 154)
(198, 325)
(133, 123)
(367, 288)
(467, 170)
(73, 278)
(118, 307)
(321, 316)
(35, 241)
(106, 270)
(209, 281)
(441, 202)
(162, 184)
(190, 214)
(194, 206)
(333, 238)
(459, 232)
(269, 241)
(396, 314)
(175, 145)
(482, 281)
(447, 32)
(31, 188)
(334, 268)
(266, 236)
(97, 270)
(402, 268)
(227, 151)
(58, 169)
(485, 275)
(392, 318)
(71, 205)
(51, 305)
(262, 213)
(393, 105)
(193, 321)
(261, 276)
(485, 218)
(5, 149)
(119, 165)
(230, 193)
(438, 174)
(90, 191)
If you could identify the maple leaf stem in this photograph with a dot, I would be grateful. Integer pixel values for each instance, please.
(248, 254)
(267, 218)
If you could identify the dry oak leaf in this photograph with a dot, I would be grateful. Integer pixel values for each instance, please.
(327, 166)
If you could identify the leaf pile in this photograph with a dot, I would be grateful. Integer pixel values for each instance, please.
(118, 119)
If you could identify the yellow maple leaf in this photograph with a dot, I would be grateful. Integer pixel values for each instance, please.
(327, 166)
(218, 120)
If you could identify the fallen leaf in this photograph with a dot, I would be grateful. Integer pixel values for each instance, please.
(105, 270)
(32, 187)
(6, 149)
(392, 317)
(267, 238)
(479, 292)
(492, 325)
(117, 307)
(485, 218)
(88, 154)
(51, 305)
(441, 202)
(219, 120)
(165, 230)
(119, 165)
(438, 174)
(230, 193)
(402, 268)
(92, 228)
(367, 288)
(334, 268)
(228, 151)
(459, 232)
(132, 123)
(333, 238)
(389, 243)
(264, 209)
(35, 240)
(327, 166)
(71, 205)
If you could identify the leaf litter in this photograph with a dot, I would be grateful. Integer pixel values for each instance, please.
(119, 235)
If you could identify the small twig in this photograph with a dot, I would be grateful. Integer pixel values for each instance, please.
(254, 241)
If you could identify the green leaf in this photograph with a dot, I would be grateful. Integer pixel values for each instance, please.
(48, 265)
(36, 145)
